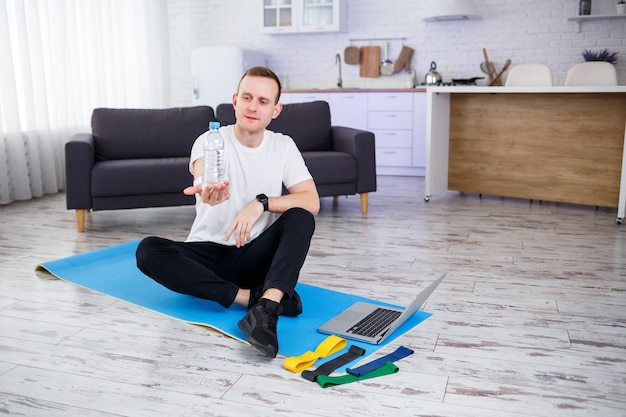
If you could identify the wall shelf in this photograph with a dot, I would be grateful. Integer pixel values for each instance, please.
(579, 19)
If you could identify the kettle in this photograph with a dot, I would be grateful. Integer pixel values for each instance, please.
(432, 77)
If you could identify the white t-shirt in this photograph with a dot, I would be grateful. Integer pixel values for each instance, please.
(250, 171)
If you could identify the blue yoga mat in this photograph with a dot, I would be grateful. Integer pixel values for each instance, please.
(113, 271)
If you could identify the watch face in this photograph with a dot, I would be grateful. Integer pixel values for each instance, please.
(262, 198)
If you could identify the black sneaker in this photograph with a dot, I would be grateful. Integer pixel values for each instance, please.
(259, 325)
(292, 306)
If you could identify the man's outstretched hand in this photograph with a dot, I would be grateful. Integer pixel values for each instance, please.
(211, 194)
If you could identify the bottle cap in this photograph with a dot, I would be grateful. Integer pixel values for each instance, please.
(214, 125)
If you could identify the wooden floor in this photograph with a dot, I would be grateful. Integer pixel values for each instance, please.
(530, 321)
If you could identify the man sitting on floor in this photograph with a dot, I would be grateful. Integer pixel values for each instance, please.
(248, 242)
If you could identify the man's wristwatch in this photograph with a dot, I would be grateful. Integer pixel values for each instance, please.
(262, 198)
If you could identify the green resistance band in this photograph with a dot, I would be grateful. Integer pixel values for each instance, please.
(331, 381)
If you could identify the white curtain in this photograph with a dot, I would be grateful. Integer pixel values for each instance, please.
(60, 59)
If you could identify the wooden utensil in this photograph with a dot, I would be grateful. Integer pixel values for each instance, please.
(498, 78)
(370, 61)
(351, 55)
(490, 69)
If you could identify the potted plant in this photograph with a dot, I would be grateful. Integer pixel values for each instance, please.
(603, 55)
(621, 7)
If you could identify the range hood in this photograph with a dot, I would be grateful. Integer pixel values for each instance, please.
(444, 10)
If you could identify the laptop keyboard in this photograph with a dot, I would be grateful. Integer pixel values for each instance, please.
(374, 322)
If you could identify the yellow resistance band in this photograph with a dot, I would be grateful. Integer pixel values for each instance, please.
(330, 345)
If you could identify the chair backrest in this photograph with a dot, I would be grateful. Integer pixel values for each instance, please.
(530, 75)
(592, 73)
(148, 133)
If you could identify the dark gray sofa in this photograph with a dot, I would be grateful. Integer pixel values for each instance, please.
(136, 158)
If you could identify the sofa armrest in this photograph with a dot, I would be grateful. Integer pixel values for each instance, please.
(360, 144)
(80, 156)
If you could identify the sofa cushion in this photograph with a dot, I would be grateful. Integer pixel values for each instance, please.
(328, 167)
(225, 114)
(148, 133)
(308, 124)
(140, 176)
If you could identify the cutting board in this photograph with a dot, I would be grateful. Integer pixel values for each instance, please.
(370, 61)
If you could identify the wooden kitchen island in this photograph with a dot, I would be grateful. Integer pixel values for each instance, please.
(560, 144)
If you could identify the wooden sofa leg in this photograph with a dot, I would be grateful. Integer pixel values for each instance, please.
(364, 202)
(80, 220)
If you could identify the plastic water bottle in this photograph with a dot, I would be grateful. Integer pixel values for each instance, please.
(213, 147)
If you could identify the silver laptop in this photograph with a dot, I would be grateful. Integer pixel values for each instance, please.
(373, 323)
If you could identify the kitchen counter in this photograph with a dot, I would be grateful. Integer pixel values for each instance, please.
(355, 90)
(463, 89)
(560, 144)
(529, 90)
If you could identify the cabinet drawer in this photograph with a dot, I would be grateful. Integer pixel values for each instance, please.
(393, 157)
(393, 138)
(390, 101)
(390, 120)
(303, 97)
(348, 109)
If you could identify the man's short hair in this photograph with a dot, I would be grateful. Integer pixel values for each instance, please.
(263, 72)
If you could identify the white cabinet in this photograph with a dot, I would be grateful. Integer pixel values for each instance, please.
(278, 16)
(303, 16)
(348, 109)
(390, 118)
(397, 119)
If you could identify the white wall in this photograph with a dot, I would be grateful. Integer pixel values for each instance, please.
(522, 30)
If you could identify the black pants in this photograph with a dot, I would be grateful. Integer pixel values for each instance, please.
(216, 272)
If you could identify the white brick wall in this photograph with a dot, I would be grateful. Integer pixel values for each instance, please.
(522, 30)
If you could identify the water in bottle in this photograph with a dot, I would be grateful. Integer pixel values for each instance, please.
(213, 156)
